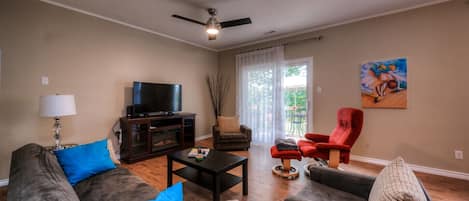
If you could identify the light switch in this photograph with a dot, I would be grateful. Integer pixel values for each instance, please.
(458, 154)
(44, 80)
(319, 89)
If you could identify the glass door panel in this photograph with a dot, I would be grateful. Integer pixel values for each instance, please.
(139, 133)
(296, 93)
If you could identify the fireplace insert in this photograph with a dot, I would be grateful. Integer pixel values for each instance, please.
(165, 139)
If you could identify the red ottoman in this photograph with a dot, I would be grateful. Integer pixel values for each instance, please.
(285, 170)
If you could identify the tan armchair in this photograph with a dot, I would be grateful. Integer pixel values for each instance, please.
(232, 141)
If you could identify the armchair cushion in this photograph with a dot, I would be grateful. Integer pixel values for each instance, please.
(311, 149)
(317, 137)
(229, 124)
(307, 147)
(329, 146)
(232, 136)
(232, 140)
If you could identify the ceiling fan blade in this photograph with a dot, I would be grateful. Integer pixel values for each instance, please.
(237, 22)
(188, 19)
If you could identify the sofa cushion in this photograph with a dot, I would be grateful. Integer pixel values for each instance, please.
(115, 185)
(357, 184)
(83, 161)
(314, 191)
(229, 124)
(397, 182)
(36, 175)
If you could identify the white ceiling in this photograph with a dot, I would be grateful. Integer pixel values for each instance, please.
(282, 16)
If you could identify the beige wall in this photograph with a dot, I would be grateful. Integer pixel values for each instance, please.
(94, 59)
(435, 41)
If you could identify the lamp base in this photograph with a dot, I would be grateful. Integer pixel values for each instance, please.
(56, 148)
(57, 128)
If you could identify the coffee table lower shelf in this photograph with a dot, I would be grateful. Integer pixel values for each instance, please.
(205, 180)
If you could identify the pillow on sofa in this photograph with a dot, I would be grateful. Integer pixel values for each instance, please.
(173, 193)
(397, 182)
(228, 124)
(83, 161)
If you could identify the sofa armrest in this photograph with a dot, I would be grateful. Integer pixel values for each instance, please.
(357, 184)
(246, 130)
(317, 137)
(333, 146)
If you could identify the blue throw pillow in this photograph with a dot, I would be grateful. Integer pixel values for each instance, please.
(83, 161)
(173, 193)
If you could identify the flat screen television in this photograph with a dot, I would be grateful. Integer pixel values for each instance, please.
(150, 98)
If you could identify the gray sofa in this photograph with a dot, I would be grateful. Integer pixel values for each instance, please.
(36, 175)
(328, 184)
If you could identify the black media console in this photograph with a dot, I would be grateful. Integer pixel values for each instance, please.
(147, 137)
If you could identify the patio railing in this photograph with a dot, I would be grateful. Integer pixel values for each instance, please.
(295, 123)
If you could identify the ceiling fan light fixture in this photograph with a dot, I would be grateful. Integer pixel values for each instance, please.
(212, 31)
(212, 37)
(213, 26)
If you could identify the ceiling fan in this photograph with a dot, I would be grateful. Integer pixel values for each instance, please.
(213, 26)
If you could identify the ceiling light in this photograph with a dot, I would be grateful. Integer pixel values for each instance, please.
(213, 26)
(212, 31)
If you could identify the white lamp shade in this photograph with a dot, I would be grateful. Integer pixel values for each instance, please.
(57, 105)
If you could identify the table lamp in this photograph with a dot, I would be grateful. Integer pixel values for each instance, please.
(57, 106)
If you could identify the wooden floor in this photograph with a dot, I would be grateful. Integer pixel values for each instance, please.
(263, 186)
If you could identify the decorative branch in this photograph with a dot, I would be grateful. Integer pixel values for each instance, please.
(218, 86)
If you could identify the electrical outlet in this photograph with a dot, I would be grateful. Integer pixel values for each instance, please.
(458, 154)
(44, 80)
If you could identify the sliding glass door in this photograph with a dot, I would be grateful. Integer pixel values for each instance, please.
(297, 88)
(260, 98)
(273, 96)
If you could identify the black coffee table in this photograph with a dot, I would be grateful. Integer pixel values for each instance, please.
(211, 173)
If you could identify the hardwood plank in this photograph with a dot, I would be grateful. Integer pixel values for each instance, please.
(266, 186)
(3, 193)
(263, 185)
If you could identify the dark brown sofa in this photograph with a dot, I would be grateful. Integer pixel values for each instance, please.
(232, 141)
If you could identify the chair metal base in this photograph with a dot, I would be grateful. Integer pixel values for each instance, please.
(286, 170)
(317, 162)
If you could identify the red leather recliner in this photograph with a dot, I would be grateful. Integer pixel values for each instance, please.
(335, 147)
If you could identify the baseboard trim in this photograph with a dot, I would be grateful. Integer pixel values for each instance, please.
(417, 168)
(203, 137)
(3, 182)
